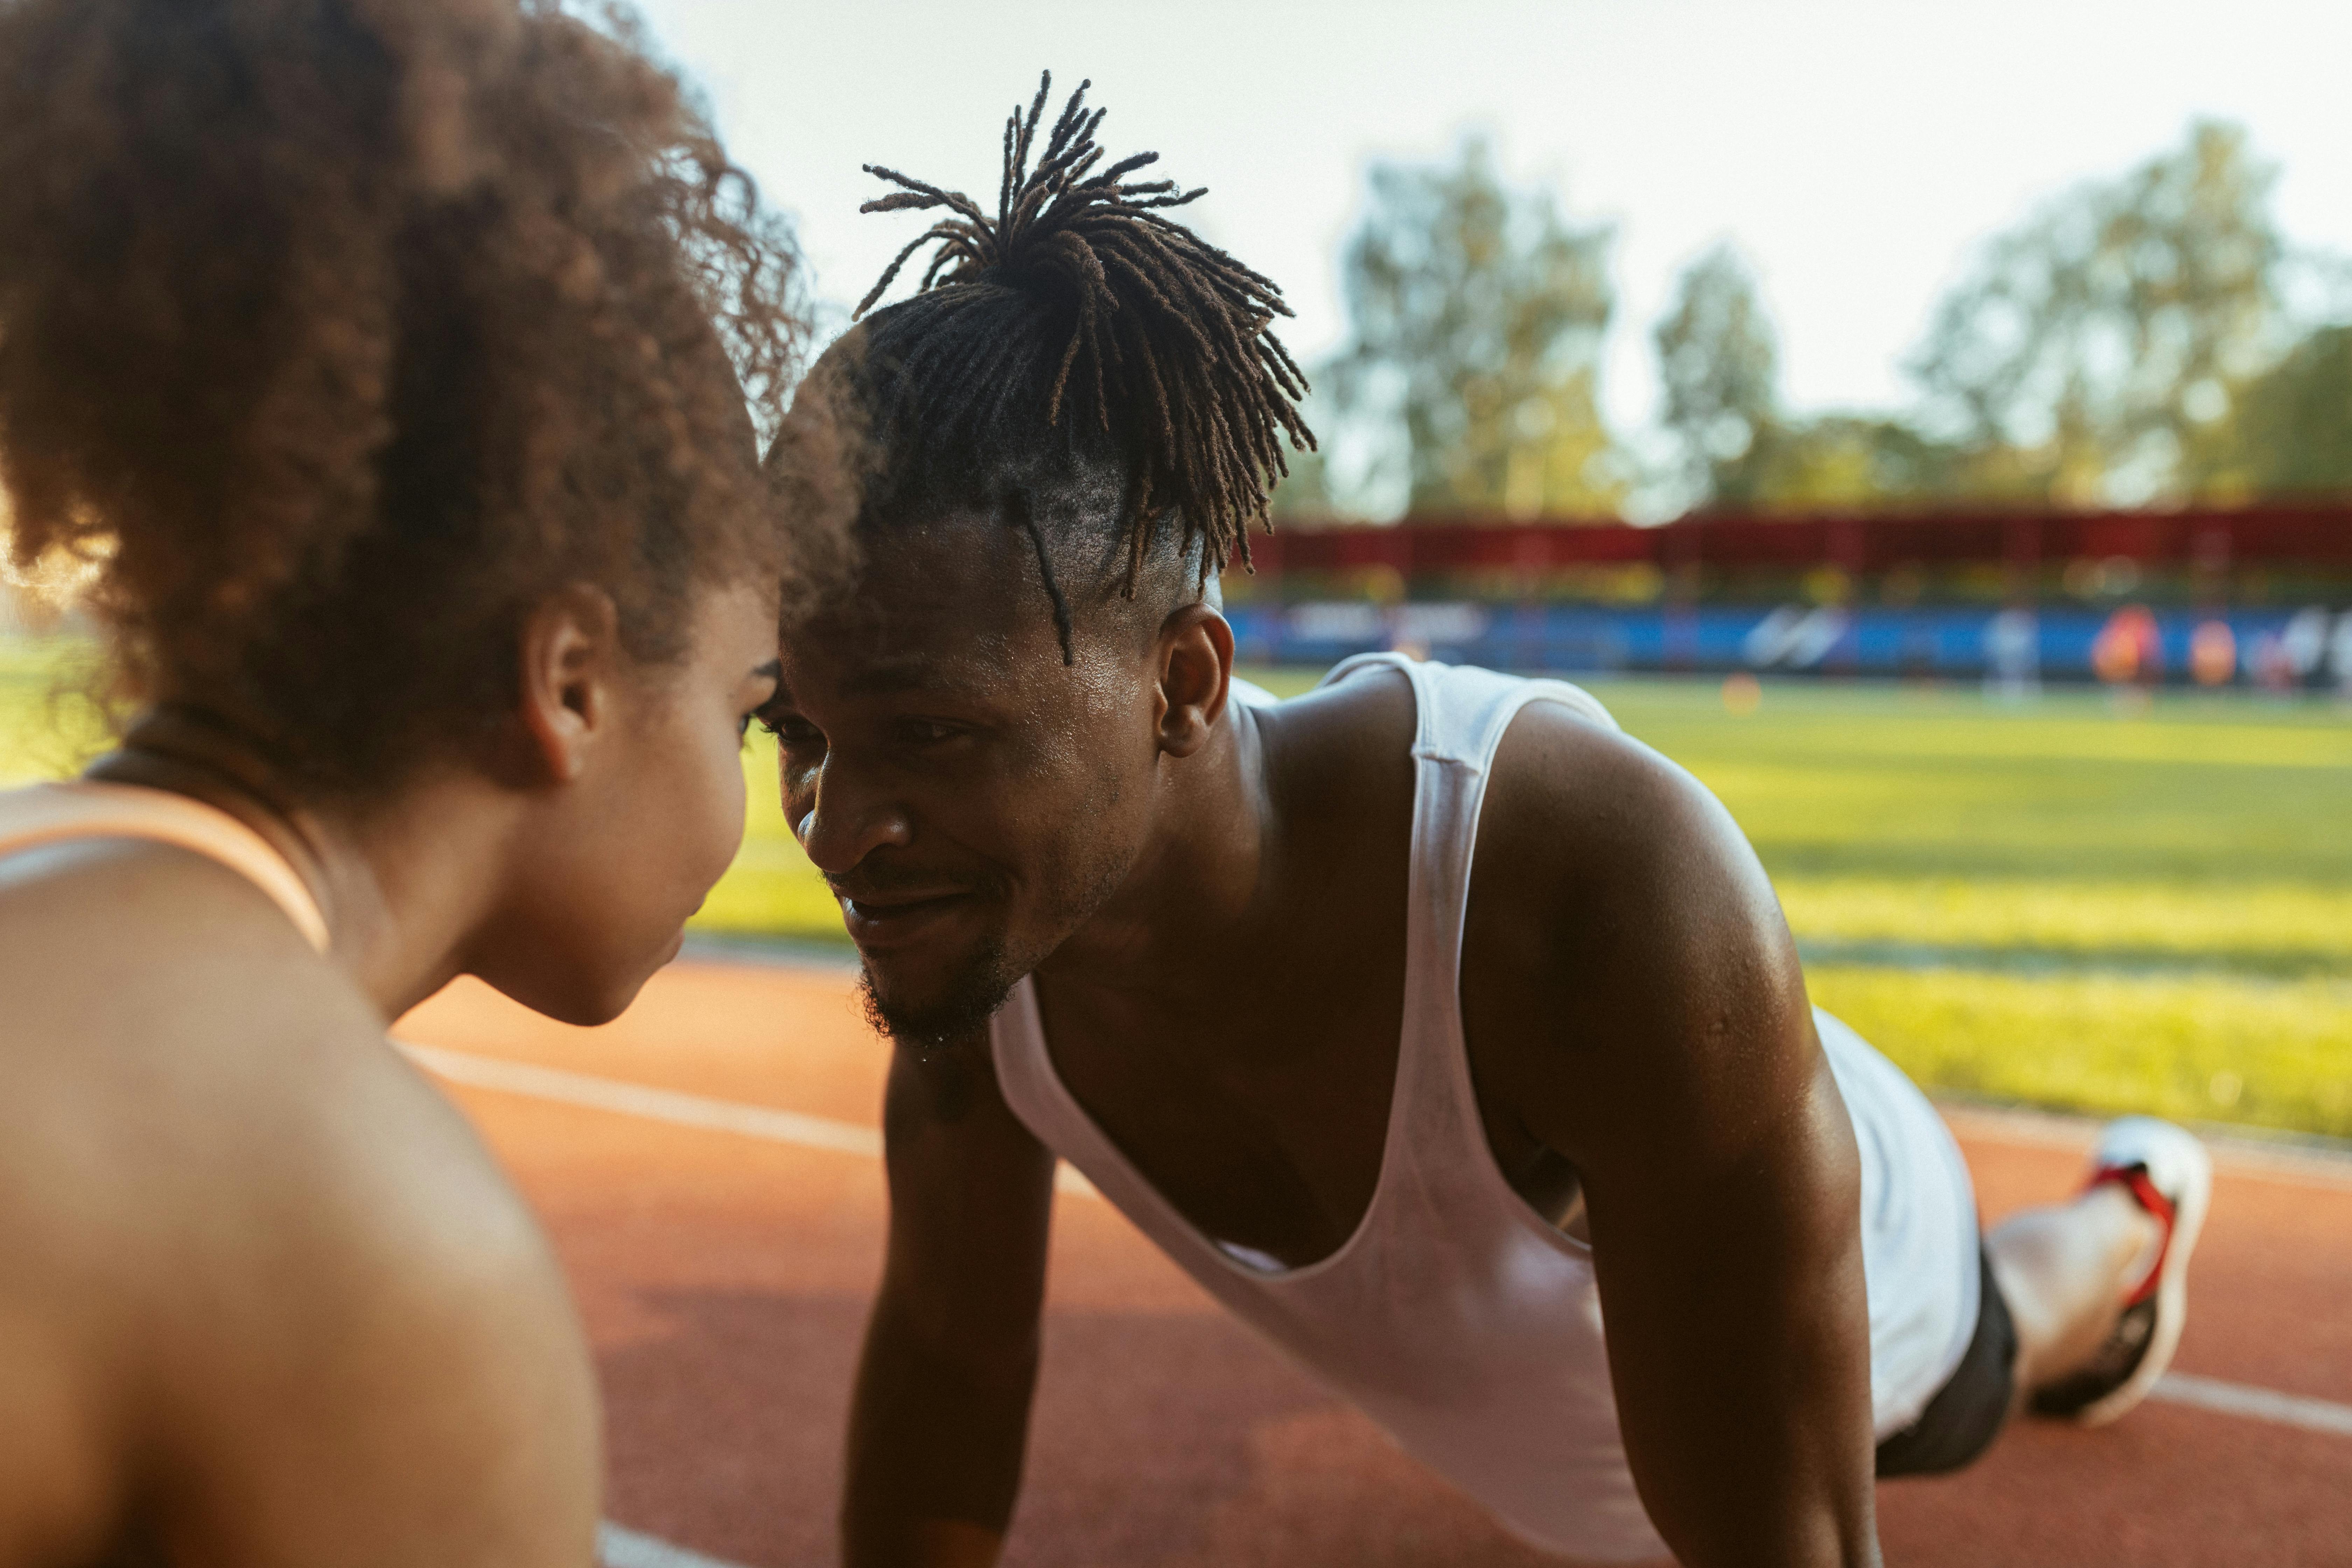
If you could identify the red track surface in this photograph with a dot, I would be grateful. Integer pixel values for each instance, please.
(724, 1280)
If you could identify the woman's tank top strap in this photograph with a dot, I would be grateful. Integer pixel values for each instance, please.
(85, 808)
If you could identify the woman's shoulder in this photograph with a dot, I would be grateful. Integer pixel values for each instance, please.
(227, 1196)
(164, 1018)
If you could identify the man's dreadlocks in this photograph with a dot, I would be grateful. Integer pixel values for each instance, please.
(1079, 296)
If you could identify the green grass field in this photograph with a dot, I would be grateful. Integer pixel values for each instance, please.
(2059, 903)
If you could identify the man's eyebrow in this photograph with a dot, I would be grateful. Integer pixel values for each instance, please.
(772, 671)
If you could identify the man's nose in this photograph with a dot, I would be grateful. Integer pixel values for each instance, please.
(847, 815)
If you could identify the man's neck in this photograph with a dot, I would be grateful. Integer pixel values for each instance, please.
(1201, 885)
(401, 888)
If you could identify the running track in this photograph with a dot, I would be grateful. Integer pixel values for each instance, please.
(707, 1167)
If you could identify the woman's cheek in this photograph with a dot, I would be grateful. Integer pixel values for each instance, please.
(729, 801)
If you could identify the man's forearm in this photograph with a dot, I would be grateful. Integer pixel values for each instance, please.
(935, 1452)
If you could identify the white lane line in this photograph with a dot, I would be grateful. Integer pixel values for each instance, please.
(847, 1138)
(669, 1105)
(620, 1548)
(2254, 1404)
(651, 1104)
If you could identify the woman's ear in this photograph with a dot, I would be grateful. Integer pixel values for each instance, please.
(1196, 666)
(572, 659)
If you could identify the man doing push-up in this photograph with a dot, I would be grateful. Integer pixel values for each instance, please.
(1428, 1021)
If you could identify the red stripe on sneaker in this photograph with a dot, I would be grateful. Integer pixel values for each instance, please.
(2134, 1180)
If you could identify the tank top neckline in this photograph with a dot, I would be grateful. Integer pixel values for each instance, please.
(1433, 958)
(1107, 1149)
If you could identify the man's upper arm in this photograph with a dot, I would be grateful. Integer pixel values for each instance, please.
(1645, 930)
(1628, 949)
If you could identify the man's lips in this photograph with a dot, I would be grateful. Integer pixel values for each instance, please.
(890, 919)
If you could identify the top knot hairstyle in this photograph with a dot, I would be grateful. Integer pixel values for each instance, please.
(336, 334)
(1077, 325)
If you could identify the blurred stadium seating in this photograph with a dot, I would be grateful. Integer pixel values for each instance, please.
(2067, 597)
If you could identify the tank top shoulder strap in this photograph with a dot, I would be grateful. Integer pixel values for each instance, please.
(1463, 714)
(85, 808)
(1463, 710)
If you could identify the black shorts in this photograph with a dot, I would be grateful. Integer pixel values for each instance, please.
(1967, 1414)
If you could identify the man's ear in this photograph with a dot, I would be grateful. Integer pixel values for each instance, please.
(571, 657)
(1196, 667)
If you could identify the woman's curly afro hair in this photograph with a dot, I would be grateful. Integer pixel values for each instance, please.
(334, 334)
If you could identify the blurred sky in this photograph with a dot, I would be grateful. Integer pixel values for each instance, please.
(1853, 148)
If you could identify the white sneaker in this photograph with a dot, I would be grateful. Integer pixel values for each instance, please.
(2168, 1173)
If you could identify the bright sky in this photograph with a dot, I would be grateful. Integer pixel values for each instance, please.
(1853, 148)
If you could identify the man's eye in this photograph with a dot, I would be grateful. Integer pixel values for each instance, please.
(790, 729)
(927, 733)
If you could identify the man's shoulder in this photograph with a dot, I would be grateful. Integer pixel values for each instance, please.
(1579, 820)
(1572, 800)
(1364, 707)
(1342, 754)
(1618, 917)
(1372, 713)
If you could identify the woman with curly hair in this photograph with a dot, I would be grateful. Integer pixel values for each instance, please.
(394, 369)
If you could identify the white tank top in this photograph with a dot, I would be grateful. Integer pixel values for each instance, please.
(1455, 1316)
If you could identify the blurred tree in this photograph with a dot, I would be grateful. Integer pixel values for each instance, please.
(2292, 425)
(1719, 367)
(1475, 318)
(1850, 462)
(2096, 353)
(1306, 490)
(1328, 484)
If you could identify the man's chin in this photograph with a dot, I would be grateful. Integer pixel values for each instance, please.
(947, 1010)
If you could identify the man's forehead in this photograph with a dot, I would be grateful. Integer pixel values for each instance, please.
(938, 605)
(945, 556)
(896, 649)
